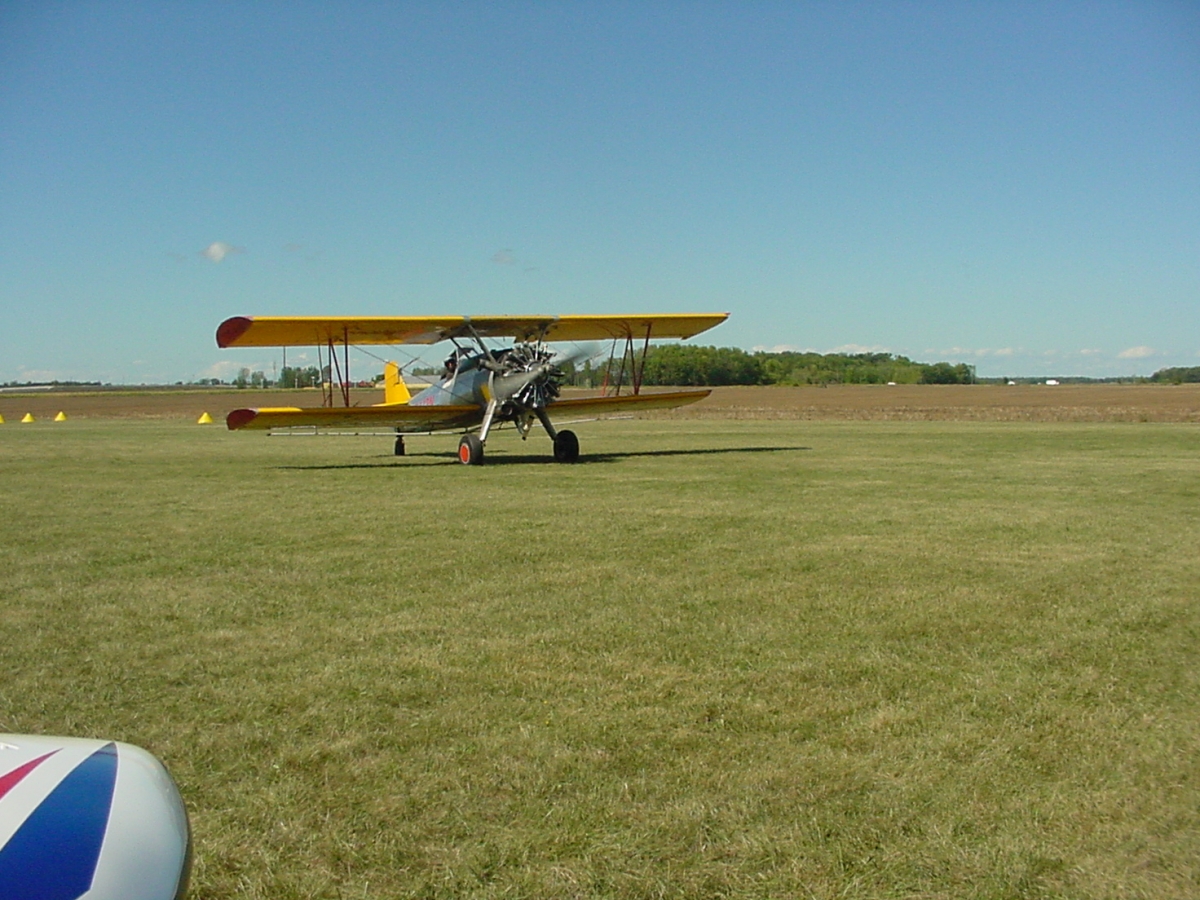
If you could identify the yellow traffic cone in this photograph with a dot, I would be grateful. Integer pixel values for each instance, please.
(28, 418)
(1, 420)
(61, 417)
(205, 419)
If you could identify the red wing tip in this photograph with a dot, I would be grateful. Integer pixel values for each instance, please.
(240, 418)
(231, 329)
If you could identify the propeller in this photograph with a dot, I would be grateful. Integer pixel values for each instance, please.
(530, 375)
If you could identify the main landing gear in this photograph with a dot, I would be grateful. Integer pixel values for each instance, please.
(470, 448)
(566, 447)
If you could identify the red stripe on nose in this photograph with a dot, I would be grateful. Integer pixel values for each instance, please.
(13, 778)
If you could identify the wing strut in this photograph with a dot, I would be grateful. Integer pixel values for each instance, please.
(326, 393)
(339, 371)
(639, 372)
(630, 358)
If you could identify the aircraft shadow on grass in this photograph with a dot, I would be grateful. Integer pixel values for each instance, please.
(503, 459)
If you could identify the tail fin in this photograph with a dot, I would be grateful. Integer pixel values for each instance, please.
(394, 388)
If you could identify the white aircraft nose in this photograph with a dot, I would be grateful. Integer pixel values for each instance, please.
(90, 818)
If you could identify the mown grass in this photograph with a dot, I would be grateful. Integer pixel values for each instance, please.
(716, 659)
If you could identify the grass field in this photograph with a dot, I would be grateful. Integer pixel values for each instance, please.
(715, 659)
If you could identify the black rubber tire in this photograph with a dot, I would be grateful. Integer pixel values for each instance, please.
(399, 450)
(470, 450)
(566, 447)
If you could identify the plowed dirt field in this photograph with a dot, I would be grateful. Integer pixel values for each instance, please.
(915, 402)
(1018, 403)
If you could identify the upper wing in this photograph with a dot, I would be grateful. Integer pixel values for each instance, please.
(605, 405)
(307, 331)
(402, 418)
(600, 328)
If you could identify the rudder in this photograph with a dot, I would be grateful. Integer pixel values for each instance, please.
(394, 388)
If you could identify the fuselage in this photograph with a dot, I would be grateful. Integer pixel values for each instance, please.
(514, 381)
(468, 384)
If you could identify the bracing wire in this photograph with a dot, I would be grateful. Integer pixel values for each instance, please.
(411, 358)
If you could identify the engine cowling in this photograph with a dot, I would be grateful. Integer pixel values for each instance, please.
(84, 819)
(529, 377)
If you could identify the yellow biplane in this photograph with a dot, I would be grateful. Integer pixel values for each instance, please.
(480, 386)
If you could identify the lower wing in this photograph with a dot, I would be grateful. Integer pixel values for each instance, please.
(434, 418)
(603, 405)
(402, 418)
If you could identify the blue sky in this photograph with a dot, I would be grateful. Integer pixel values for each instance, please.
(1013, 185)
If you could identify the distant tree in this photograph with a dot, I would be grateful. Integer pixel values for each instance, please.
(684, 364)
(295, 377)
(945, 373)
(792, 367)
(1177, 375)
(243, 377)
(689, 365)
(586, 375)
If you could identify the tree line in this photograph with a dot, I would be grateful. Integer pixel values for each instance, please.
(688, 365)
(685, 364)
(1178, 375)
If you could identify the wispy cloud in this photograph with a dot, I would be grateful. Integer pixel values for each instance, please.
(504, 257)
(218, 250)
(859, 348)
(225, 369)
(1137, 353)
(844, 348)
(39, 374)
(979, 352)
(778, 348)
(1089, 352)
